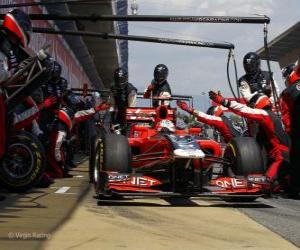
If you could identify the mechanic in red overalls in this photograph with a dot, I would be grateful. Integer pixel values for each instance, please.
(67, 116)
(270, 134)
(214, 117)
(15, 34)
(290, 107)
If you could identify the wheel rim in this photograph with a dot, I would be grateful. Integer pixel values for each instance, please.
(231, 169)
(19, 161)
(97, 167)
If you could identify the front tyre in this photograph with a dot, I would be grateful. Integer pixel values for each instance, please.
(23, 164)
(112, 154)
(245, 156)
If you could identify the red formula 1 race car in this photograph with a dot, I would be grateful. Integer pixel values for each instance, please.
(159, 160)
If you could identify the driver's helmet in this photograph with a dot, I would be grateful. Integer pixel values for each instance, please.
(18, 23)
(166, 126)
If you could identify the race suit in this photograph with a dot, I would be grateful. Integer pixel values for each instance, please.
(47, 116)
(162, 90)
(222, 124)
(290, 107)
(271, 135)
(66, 119)
(123, 98)
(249, 85)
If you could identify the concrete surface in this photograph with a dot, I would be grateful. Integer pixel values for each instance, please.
(26, 220)
(162, 224)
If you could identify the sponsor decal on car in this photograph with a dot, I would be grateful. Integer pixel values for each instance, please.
(230, 183)
(140, 181)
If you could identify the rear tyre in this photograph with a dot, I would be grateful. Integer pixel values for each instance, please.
(112, 154)
(246, 157)
(24, 163)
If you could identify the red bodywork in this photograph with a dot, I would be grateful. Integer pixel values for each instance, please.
(2, 125)
(152, 152)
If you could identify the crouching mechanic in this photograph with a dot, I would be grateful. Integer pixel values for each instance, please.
(290, 107)
(215, 118)
(271, 134)
(66, 118)
(159, 86)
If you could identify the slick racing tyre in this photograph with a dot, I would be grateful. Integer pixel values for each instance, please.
(245, 156)
(23, 164)
(92, 157)
(112, 154)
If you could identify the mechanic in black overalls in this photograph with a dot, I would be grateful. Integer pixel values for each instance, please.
(56, 87)
(159, 86)
(255, 80)
(124, 96)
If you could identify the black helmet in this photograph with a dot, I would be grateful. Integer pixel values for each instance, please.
(161, 73)
(121, 77)
(251, 63)
(72, 100)
(287, 70)
(63, 84)
(56, 70)
(18, 23)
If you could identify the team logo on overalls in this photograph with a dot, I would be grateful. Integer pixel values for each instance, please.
(298, 86)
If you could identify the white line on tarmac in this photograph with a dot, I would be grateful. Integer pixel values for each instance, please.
(62, 190)
(78, 176)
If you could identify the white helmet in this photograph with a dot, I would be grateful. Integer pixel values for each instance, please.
(166, 125)
(97, 97)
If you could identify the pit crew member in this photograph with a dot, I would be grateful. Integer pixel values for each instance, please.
(255, 80)
(290, 108)
(215, 118)
(159, 86)
(66, 118)
(271, 134)
(124, 95)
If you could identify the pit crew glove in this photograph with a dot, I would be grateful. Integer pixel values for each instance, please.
(148, 91)
(267, 90)
(102, 106)
(185, 107)
(47, 102)
(218, 99)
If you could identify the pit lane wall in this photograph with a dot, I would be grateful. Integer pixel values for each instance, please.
(59, 49)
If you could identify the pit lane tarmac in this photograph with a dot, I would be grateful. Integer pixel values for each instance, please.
(58, 218)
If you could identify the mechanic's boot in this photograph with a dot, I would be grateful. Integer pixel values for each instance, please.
(66, 173)
(70, 165)
(45, 181)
